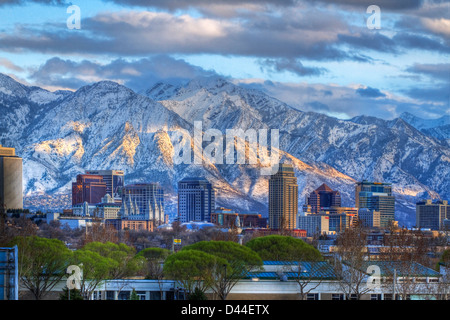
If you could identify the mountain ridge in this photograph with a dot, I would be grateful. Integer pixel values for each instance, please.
(107, 125)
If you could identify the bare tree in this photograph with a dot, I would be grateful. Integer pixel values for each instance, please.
(308, 275)
(349, 262)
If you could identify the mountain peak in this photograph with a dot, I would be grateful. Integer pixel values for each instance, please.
(10, 86)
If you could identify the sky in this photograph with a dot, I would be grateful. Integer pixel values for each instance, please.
(316, 55)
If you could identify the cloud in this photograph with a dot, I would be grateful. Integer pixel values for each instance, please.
(384, 4)
(137, 74)
(185, 4)
(23, 2)
(290, 65)
(10, 65)
(344, 101)
(370, 92)
(439, 71)
(135, 33)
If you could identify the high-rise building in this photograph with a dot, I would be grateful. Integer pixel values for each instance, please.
(323, 197)
(114, 180)
(369, 218)
(11, 192)
(88, 188)
(143, 201)
(196, 200)
(431, 215)
(314, 224)
(283, 198)
(376, 196)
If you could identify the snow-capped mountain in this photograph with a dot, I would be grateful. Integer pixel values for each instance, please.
(108, 126)
(438, 128)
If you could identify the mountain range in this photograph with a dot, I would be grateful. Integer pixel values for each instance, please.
(106, 125)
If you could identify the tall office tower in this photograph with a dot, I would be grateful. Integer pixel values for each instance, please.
(114, 180)
(283, 198)
(431, 215)
(11, 192)
(143, 201)
(196, 200)
(88, 188)
(323, 197)
(376, 196)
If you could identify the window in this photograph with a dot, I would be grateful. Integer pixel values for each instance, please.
(375, 297)
(97, 295)
(124, 295)
(337, 296)
(353, 296)
(155, 295)
(388, 297)
(312, 296)
(109, 295)
(141, 295)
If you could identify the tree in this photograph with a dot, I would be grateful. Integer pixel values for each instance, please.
(99, 232)
(127, 263)
(134, 295)
(42, 263)
(239, 262)
(95, 269)
(283, 248)
(153, 265)
(405, 249)
(70, 294)
(443, 289)
(309, 275)
(349, 262)
(192, 269)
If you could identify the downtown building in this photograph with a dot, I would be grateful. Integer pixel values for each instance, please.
(88, 188)
(378, 197)
(196, 200)
(322, 197)
(114, 180)
(323, 213)
(283, 199)
(432, 215)
(11, 190)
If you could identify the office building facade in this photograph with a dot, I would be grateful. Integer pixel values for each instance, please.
(431, 215)
(11, 189)
(196, 200)
(323, 197)
(88, 188)
(283, 198)
(314, 224)
(114, 180)
(369, 218)
(376, 196)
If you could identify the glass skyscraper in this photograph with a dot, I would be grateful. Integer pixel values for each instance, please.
(196, 200)
(376, 196)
